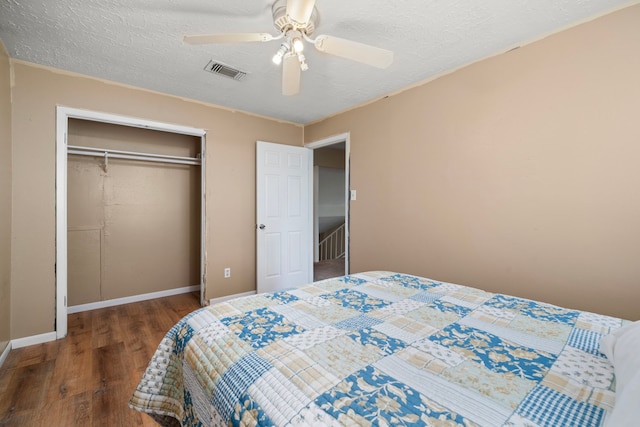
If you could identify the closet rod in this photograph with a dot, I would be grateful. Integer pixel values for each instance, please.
(131, 155)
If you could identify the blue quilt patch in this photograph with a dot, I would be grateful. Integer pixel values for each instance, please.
(235, 382)
(282, 297)
(248, 411)
(495, 353)
(261, 327)
(383, 342)
(352, 280)
(358, 322)
(370, 396)
(445, 306)
(584, 340)
(534, 309)
(189, 418)
(182, 335)
(411, 281)
(426, 297)
(548, 408)
(356, 300)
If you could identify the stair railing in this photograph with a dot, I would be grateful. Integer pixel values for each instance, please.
(332, 246)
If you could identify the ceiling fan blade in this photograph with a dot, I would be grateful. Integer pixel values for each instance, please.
(360, 52)
(300, 10)
(228, 38)
(290, 74)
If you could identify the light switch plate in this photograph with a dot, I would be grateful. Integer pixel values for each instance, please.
(353, 194)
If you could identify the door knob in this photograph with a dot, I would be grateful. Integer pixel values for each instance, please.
(262, 226)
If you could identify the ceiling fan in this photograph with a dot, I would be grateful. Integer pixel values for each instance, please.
(296, 21)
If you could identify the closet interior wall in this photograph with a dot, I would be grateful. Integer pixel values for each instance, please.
(133, 226)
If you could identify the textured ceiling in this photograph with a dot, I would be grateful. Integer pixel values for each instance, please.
(139, 42)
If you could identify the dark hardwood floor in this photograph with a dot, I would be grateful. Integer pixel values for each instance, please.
(87, 378)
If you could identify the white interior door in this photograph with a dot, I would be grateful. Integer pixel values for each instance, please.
(283, 216)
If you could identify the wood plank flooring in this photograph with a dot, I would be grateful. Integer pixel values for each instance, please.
(87, 378)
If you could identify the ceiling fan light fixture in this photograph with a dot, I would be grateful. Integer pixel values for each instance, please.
(298, 45)
(303, 62)
(277, 58)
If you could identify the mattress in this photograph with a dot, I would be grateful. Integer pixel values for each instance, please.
(381, 348)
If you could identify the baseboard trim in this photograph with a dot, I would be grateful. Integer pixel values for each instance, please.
(33, 340)
(228, 297)
(127, 300)
(5, 353)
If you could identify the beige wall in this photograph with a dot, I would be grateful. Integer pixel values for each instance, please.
(5, 199)
(517, 174)
(230, 181)
(133, 226)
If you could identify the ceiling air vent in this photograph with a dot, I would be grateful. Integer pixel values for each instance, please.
(216, 67)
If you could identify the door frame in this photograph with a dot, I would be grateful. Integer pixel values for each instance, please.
(63, 114)
(336, 139)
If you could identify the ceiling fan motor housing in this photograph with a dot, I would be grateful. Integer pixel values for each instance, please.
(283, 22)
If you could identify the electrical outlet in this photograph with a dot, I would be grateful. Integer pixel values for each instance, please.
(227, 273)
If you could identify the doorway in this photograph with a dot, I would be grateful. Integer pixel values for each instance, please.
(331, 206)
(64, 149)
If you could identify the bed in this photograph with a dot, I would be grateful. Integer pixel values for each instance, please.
(384, 348)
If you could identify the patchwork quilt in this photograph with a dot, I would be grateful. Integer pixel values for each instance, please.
(378, 349)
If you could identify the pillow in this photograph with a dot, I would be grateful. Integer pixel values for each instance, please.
(626, 411)
(622, 348)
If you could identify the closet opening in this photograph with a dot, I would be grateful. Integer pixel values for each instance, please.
(130, 211)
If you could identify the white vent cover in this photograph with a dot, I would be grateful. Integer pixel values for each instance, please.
(217, 67)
